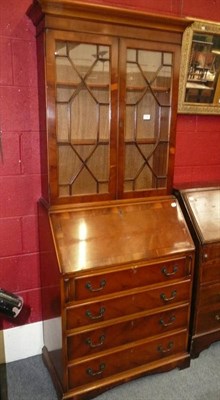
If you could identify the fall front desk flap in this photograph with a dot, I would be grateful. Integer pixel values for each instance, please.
(117, 233)
(203, 206)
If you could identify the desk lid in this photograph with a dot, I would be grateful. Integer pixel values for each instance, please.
(119, 233)
(203, 206)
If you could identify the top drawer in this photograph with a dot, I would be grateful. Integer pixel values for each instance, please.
(210, 266)
(210, 252)
(127, 277)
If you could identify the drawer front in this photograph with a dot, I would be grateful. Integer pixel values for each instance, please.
(127, 278)
(118, 306)
(126, 358)
(209, 295)
(210, 271)
(208, 319)
(117, 334)
(211, 251)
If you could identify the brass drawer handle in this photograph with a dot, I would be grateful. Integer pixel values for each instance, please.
(100, 315)
(172, 319)
(94, 345)
(166, 299)
(167, 350)
(101, 287)
(96, 373)
(217, 317)
(166, 273)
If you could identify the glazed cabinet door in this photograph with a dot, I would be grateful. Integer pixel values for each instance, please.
(111, 116)
(81, 111)
(148, 76)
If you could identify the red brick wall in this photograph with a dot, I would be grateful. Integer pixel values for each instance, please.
(20, 168)
(197, 154)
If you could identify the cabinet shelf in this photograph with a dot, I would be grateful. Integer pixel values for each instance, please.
(198, 85)
(144, 141)
(99, 86)
(73, 85)
(159, 89)
(202, 42)
(83, 142)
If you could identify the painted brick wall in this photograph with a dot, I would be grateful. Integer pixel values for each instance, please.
(20, 167)
(197, 154)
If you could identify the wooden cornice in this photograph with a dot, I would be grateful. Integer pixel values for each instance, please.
(108, 14)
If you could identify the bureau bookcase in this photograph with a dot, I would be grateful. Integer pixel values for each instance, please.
(116, 255)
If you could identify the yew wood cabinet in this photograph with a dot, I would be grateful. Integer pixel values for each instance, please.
(122, 283)
(117, 258)
(201, 207)
(108, 89)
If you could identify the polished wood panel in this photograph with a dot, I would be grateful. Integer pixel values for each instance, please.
(138, 274)
(90, 340)
(117, 234)
(208, 320)
(105, 13)
(204, 206)
(125, 357)
(135, 301)
(210, 267)
(202, 211)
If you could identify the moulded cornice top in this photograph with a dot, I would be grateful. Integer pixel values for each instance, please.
(95, 12)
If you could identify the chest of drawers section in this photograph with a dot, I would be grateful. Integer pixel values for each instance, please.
(116, 326)
(202, 210)
(126, 280)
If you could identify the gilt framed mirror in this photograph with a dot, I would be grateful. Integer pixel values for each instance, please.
(199, 85)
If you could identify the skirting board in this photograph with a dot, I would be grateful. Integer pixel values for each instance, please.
(27, 340)
(21, 342)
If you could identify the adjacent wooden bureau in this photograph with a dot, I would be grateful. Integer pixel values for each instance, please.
(124, 280)
(201, 207)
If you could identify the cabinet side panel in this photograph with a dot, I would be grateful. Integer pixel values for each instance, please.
(42, 114)
(50, 283)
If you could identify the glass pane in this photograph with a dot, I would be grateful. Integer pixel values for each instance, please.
(147, 117)
(104, 122)
(65, 72)
(167, 59)
(148, 110)
(101, 153)
(61, 48)
(64, 94)
(62, 122)
(138, 165)
(83, 117)
(91, 62)
(130, 122)
(79, 187)
(160, 163)
(68, 162)
(164, 119)
(162, 85)
(135, 76)
(146, 166)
